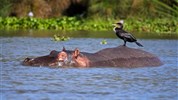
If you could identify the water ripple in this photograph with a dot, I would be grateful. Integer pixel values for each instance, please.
(39, 83)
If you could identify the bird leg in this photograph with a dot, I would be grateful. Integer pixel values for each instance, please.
(124, 43)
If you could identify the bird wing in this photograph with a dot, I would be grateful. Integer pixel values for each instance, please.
(127, 35)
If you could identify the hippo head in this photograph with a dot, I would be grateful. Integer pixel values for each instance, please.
(78, 59)
(62, 58)
(27, 61)
(53, 53)
(53, 59)
(74, 58)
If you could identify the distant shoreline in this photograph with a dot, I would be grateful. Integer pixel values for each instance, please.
(164, 25)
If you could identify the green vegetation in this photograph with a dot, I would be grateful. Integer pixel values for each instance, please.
(60, 37)
(103, 42)
(74, 24)
(64, 23)
(158, 16)
(5, 6)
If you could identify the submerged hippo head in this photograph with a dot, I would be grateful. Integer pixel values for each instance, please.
(53, 59)
(53, 53)
(74, 58)
(59, 59)
(78, 59)
(62, 58)
(27, 62)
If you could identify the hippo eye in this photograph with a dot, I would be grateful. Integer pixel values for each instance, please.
(63, 56)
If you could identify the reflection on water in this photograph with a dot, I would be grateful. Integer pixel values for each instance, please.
(84, 34)
(42, 83)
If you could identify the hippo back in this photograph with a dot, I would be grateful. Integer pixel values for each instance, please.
(125, 57)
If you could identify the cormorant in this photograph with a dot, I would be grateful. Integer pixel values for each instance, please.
(122, 34)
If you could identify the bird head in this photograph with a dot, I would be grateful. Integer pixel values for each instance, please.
(119, 24)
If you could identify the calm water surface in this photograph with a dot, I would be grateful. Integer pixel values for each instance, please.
(41, 83)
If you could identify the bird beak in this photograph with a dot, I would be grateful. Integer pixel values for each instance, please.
(114, 24)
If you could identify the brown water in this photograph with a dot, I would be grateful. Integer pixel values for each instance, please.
(30, 83)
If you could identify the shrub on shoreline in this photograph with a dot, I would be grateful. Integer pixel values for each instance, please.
(103, 24)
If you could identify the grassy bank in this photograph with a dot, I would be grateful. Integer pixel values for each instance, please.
(164, 25)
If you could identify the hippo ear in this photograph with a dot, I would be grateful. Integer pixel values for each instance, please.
(63, 49)
(76, 52)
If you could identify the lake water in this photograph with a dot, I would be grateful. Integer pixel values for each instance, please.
(41, 83)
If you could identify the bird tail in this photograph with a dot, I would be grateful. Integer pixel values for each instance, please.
(139, 44)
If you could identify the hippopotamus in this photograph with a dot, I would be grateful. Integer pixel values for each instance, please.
(121, 56)
(54, 59)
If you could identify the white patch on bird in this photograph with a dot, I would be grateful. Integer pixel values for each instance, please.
(114, 29)
(121, 21)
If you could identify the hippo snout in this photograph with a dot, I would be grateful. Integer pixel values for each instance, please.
(26, 61)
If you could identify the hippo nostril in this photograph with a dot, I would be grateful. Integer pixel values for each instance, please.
(27, 59)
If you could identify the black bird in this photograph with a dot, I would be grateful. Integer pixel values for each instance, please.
(122, 34)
